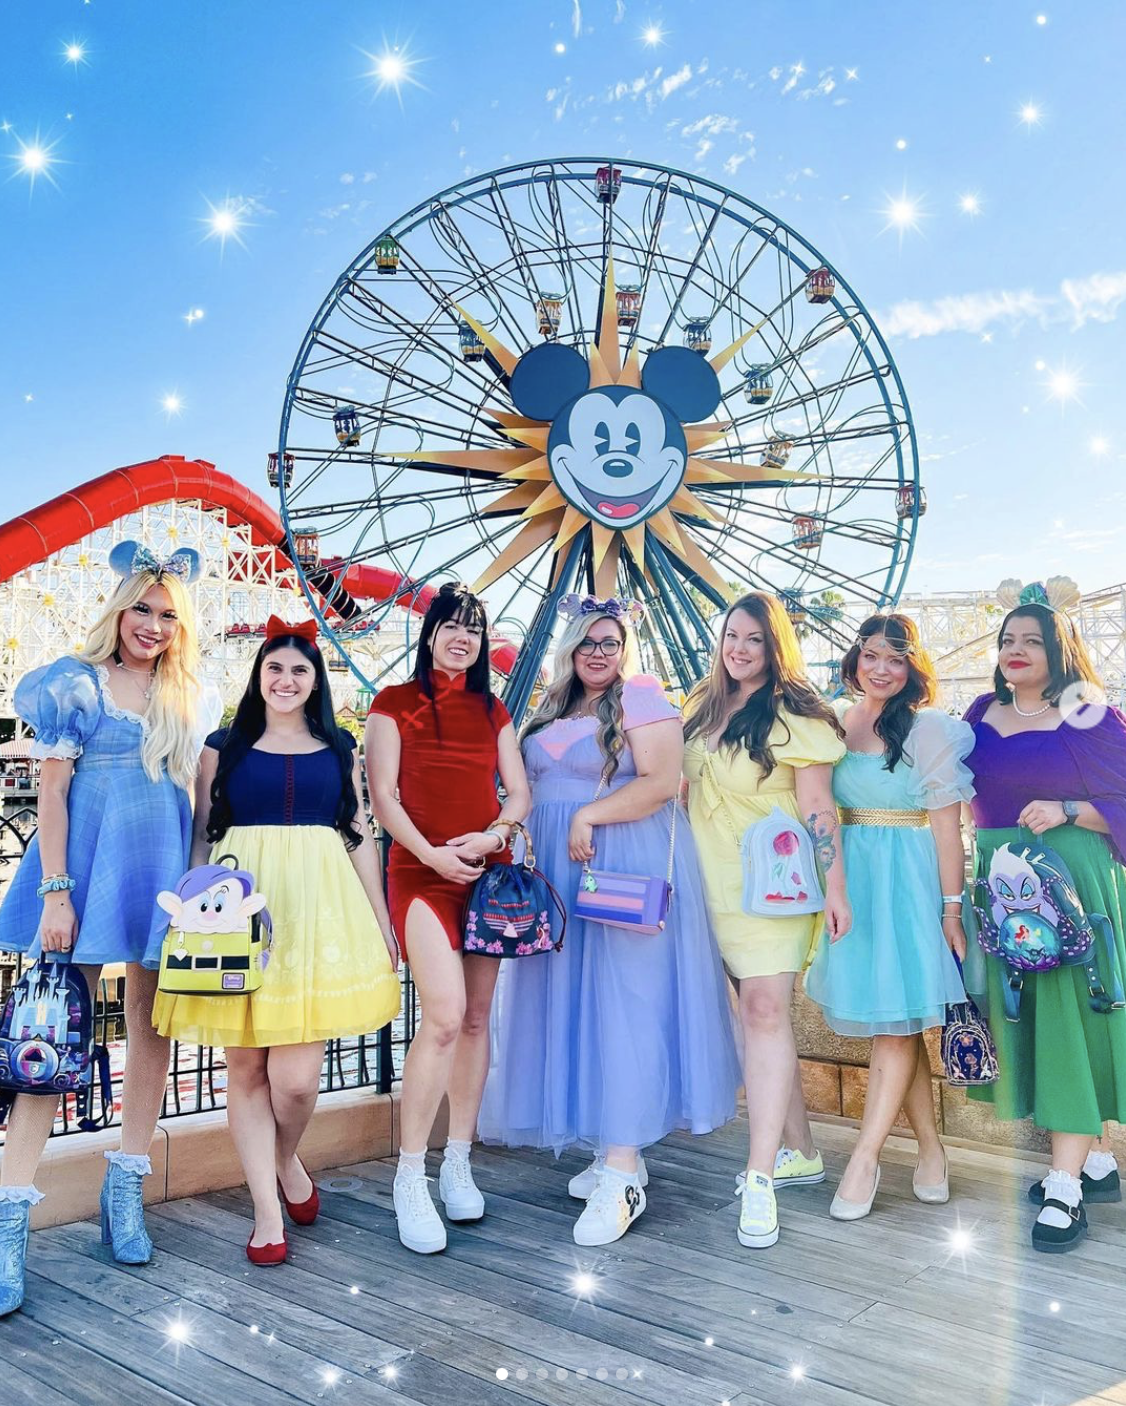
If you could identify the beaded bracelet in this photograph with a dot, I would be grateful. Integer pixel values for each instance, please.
(55, 883)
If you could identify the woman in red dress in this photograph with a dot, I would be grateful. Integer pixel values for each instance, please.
(433, 748)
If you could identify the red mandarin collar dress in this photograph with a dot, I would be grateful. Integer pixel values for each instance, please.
(447, 785)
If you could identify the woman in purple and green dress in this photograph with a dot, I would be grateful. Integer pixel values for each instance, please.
(1050, 772)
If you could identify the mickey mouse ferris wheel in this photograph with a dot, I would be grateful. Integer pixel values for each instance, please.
(597, 375)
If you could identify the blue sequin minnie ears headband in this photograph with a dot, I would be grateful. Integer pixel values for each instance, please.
(1058, 593)
(629, 612)
(131, 558)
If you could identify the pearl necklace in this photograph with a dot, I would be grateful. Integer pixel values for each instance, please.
(1035, 713)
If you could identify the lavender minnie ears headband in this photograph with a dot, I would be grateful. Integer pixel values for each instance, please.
(629, 612)
(131, 558)
(1058, 593)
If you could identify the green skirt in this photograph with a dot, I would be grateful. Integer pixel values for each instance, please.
(1062, 1064)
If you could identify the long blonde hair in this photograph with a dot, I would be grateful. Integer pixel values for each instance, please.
(785, 687)
(170, 738)
(565, 690)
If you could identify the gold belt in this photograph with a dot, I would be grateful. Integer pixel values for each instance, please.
(900, 819)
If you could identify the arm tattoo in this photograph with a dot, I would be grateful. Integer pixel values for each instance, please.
(822, 826)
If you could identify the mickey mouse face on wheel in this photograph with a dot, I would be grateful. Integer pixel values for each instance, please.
(616, 453)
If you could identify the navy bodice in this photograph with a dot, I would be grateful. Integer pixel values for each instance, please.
(270, 788)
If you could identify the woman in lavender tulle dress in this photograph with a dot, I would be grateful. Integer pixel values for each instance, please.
(620, 1037)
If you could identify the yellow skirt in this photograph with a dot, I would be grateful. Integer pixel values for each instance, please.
(329, 972)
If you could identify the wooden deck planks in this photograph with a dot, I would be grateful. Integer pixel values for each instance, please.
(876, 1313)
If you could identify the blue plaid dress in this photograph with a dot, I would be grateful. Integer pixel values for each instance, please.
(128, 837)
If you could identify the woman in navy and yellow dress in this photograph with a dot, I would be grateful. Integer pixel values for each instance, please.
(280, 790)
(117, 728)
(900, 787)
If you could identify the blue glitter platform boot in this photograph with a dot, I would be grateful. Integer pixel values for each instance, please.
(123, 1215)
(15, 1217)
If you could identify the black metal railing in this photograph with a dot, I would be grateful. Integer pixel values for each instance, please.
(197, 1077)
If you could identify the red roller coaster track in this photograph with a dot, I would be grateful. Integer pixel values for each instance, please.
(35, 535)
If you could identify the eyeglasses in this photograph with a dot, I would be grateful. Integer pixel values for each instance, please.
(608, 647)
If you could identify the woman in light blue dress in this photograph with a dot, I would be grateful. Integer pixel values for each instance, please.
(118, 730)
(899, 788)
(620, 1037)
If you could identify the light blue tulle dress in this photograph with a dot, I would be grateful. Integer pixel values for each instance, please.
(893, 973)
(128, 836)
(619, 1038)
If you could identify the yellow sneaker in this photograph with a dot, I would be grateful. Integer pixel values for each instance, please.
(791, 1168)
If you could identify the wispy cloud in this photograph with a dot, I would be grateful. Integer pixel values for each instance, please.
(576, 18)
(1096, 298)
(711, 125)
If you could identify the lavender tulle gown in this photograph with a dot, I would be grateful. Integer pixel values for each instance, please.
(619, 1038)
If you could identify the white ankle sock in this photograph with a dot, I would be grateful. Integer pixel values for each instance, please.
(1099, 1164)
(458, 1151)
(625, 1178)
(1060, 1186)
(411, 1164)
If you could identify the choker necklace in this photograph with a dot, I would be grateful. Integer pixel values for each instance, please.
(1035, 713)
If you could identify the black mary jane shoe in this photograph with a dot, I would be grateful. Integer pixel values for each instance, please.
(1099, 1189)
(1056, 1239)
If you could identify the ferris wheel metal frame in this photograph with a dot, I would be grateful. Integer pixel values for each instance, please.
(669, 567)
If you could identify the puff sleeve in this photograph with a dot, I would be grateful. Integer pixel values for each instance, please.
(936, 750)
(811, 742)
(61, 702)
(644, 701)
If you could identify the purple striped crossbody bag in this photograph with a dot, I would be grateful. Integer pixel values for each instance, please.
(636, 902)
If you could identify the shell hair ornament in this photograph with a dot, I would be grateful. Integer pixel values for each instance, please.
(1058, 593)
(131, 558)
(628, 612)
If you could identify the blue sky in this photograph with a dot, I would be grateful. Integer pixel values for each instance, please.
(1005, 324)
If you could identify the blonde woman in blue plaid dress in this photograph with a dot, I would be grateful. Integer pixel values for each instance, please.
(117, 728)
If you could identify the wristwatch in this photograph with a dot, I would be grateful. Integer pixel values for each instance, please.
(1070, 812)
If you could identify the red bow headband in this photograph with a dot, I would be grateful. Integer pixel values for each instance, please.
(277, 629)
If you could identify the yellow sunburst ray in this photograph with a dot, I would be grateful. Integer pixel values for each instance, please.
(601, 537)
(573, 521)
(721, 358)
(512, 421)
(609, 347)
(529, 539)
(685, 501)
(635, 541)
(536, 470)
(534, 435)
(600, 373)
(515, 500)
(606, 573)
(505, 358)
(697, 436)
(631, 371)
(547, 501)
(492, 461)
(721, 470)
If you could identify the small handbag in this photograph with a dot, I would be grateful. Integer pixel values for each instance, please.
(779, 868)
(637, 903)
(511, 908)
(969, 1056)
(219, 940)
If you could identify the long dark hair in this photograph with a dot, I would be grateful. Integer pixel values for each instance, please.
(920, 690)
(454, 601)
(1068, 660)
(249, 723)
(785, 686)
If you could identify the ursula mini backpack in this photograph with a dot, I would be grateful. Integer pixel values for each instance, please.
(47, 1040)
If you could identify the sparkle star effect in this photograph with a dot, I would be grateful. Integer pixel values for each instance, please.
(1099, 446)
(970, 203)
(226, 221)
(5, 127)
(652, 35)
(1030, 115)
(391, 68)
(178, 1332)
(35, 159)
(560, 47)
(903, 213)
(172, 404)
(851, 75)
(75, 53)
(584, 1285)
(1041, 19)
(330, 1375)
(1064, 384)
(797, 1372)
(193, 315)
(548, 520)
(901, 144)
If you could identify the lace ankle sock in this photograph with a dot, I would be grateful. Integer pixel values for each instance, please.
(1098, 1164)
(411, 1164)
(458, 1151)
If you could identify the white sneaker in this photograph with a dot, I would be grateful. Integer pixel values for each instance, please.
(458, 1190)
(614, 1205)
(583, 1183)
(420, 1225)
(758, 1213)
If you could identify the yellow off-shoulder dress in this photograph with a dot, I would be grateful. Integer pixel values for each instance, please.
(727, 792)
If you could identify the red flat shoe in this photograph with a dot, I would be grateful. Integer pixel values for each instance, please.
(267, 1254)
(302, 1212)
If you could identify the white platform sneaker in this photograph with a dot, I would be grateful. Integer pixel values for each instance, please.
(459, 1193)
(420, 1225)
(614, 1205)
(582, 1185)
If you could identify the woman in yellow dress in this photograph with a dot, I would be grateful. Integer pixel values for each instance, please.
(280, 790)
(759, 736)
